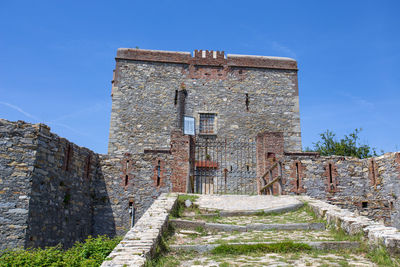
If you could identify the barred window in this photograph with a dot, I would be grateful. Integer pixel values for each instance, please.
(207, 123)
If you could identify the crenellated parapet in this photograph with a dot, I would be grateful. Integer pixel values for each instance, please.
(207, 58)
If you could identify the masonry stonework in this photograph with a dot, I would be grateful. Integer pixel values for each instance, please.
(351, 185)
(53, 191)
(247, 95)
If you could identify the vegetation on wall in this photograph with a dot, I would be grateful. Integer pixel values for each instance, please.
(91, 252)
(349, 145)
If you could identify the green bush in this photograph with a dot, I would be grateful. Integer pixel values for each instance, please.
(91, 252)
(347, 146)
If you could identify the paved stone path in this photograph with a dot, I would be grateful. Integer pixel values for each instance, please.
(244, 202)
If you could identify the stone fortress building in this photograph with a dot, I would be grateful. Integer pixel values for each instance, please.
(205, 123)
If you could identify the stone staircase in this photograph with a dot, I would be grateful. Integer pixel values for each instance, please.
(275, 231)
(232, 230)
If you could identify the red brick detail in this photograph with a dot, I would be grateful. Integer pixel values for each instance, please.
(331, 175)
(208, 72)
(127, 166)
(261, 62)
(207, 164)
(180, 150)
(397, 160)
(270, 148)
(86, 173)
(68, 154)
(373, 172)
(160, 180)
(297, 177)
(153, 55)
(208, 60)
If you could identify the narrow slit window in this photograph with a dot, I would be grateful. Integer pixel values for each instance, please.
(176, 98)
(247, 102)
(126, 180)
(297, 176)
(158, 173)
(330, 174)
(373, 172)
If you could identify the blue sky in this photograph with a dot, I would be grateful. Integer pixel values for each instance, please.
(57, 57)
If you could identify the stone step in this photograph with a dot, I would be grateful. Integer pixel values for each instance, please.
(186, 224)
(323, 245)
(233, 213)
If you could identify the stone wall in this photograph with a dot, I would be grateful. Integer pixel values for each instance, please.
(61, 197)
(370, 186)
(247, 94)
(53, 191)
(18, 146)
(49, 189)
(138, 179)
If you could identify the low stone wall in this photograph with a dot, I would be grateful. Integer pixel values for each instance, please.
(376, 233)
(370, 186)
(140, 242)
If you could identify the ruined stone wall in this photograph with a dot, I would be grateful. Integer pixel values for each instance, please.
(247, 94)
(48, 188)
(371, 186)
(18, 146)
(61, 199)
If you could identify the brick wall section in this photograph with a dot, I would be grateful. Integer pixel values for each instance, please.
(397, 160)
(296, 178)
(373, 173)
(270, 149)
(180, 150)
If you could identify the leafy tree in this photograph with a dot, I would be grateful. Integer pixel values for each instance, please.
(347, 146)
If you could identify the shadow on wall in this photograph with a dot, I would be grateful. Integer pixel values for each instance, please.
(68, 199)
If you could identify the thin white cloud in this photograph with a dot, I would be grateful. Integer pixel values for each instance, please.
(29, 115)
(358, 100)
(283, 49)
(78, 113)
(50, 123)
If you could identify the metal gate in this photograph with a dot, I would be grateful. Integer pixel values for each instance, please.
(224, 166)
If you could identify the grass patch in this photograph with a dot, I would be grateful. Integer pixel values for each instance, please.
(91, 252)
(282, 247)
(171, 259)
(381, 257)
(341, 235)
(180, 207)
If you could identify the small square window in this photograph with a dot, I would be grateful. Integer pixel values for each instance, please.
(207, 123)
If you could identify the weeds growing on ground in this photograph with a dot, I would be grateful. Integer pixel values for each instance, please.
(91, 252)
